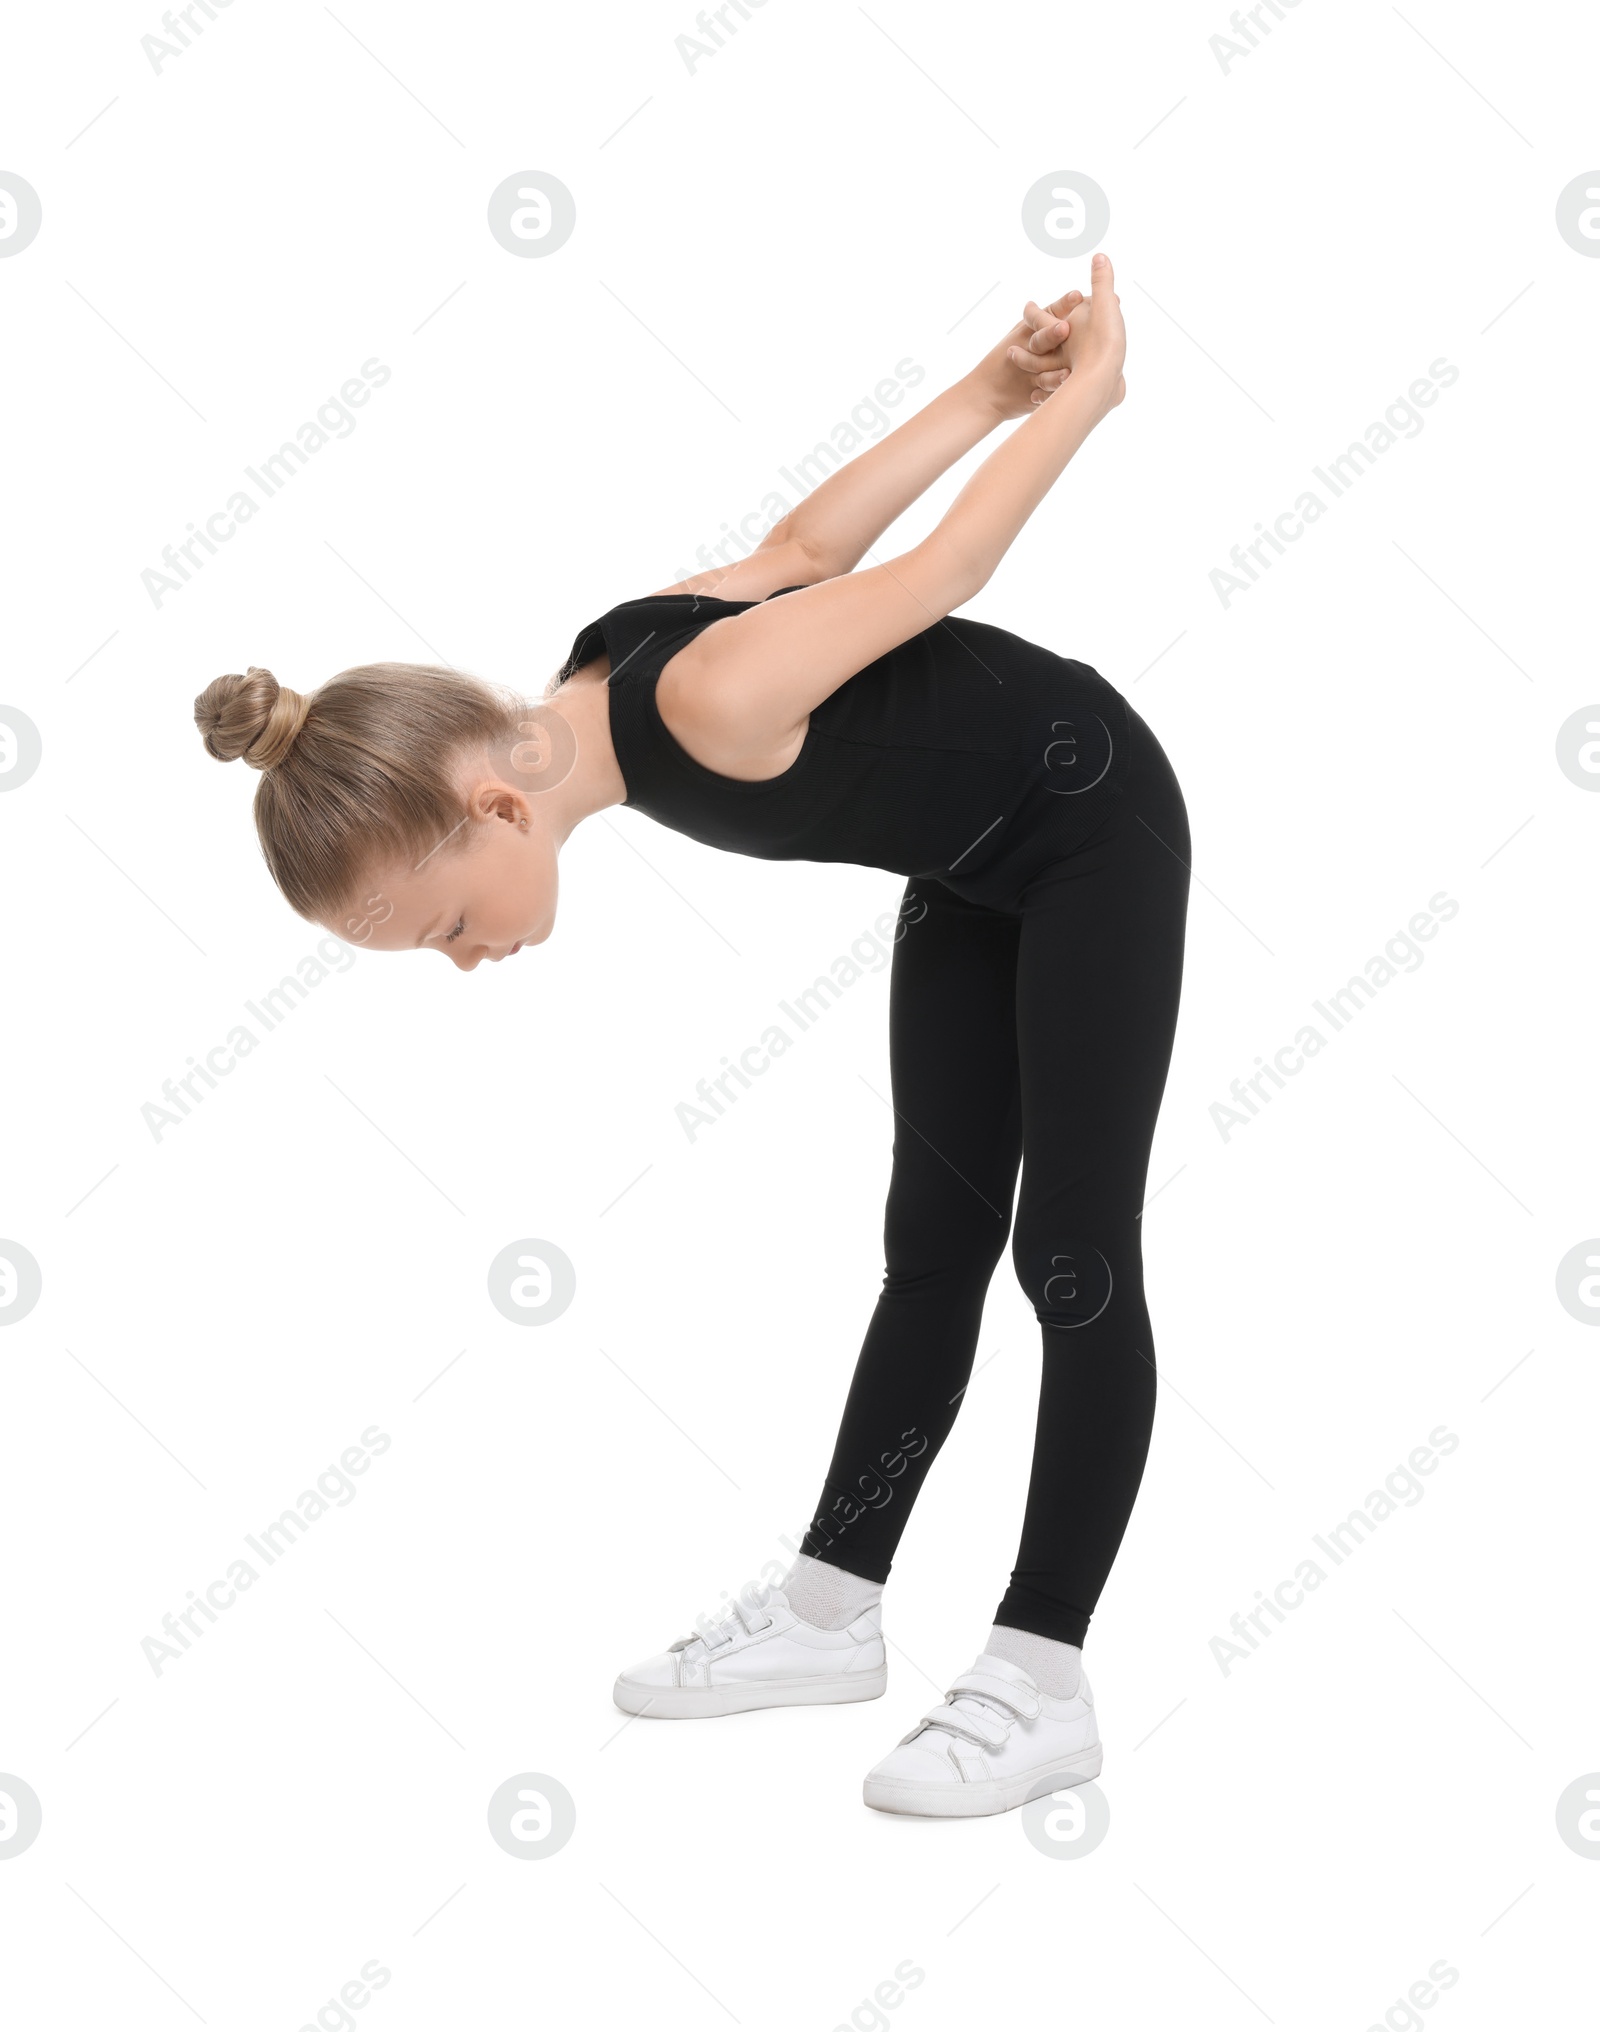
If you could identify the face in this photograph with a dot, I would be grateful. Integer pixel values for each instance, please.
(483, 895)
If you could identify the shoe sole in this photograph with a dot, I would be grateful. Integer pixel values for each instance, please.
(962, 1802)
(694, 1703)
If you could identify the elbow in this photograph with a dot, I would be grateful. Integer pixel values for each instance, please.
(822, 562)
(956, 573)
(969, 587)
(812, 559)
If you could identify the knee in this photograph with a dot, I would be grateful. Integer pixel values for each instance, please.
(1073, 1280)
(953, 1252)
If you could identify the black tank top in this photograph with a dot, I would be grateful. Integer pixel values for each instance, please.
(966, 755)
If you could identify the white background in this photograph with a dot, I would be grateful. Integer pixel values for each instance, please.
(226, 1308)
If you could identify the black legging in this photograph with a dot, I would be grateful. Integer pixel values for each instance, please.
(1042, 1034)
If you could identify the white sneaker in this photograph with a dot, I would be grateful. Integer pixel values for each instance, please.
(995, 1743)
(762, 1655)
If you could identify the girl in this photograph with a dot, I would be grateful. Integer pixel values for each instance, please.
(807, 710)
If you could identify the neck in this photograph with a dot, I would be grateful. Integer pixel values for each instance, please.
(596, 780)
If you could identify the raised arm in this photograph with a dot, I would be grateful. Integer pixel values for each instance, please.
(739, 695)
(835, 526)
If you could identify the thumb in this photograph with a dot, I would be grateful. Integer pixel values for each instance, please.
(1100, 274)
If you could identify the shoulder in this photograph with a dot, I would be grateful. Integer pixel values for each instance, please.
(772, 568)
(620, 633)
(625, 629)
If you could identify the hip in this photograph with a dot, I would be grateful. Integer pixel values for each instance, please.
(1109, 777)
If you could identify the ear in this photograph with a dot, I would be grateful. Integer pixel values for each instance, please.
(492, 799)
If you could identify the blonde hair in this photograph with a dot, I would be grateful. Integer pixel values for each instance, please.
(356, 775)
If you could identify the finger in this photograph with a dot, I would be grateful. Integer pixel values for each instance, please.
(1033, 317)
(1037, 363)
(1101, 276)
(1047, 341)
(1050, 338)
(1051, 315)
(1050, 326)
(1038, 315)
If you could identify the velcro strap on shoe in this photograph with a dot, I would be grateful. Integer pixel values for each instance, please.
(959, 1723)
(1020, 1699)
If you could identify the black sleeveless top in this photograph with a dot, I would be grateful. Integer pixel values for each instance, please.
(966, 755)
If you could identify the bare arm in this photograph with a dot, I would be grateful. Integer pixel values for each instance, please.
(837, 523)
(853, 507)
(740, 693)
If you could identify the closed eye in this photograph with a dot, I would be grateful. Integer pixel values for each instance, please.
(461, 925)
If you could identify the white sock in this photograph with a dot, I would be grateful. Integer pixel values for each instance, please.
(826, 1596)
(1054, 1668)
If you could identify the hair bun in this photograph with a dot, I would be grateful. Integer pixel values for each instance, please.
(251, 716)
